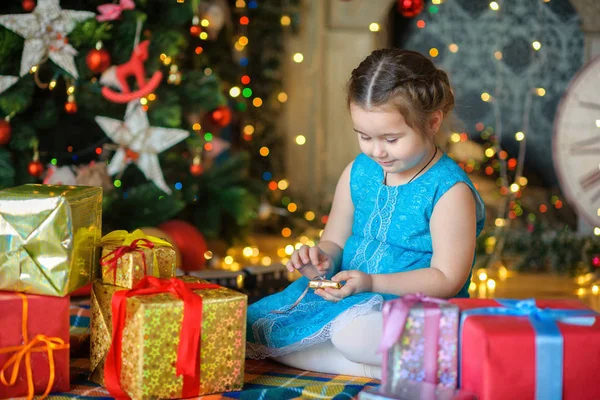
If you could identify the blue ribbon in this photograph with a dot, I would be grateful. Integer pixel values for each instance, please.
(548, 339)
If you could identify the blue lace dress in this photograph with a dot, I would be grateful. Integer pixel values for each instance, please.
(390, 234)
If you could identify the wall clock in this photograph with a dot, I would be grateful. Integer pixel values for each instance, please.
(576, 142)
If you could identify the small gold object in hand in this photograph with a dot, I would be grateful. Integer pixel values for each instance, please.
(322, 284)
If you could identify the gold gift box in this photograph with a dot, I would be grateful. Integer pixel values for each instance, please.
(130, 267)
(49, 238)
(150, 341)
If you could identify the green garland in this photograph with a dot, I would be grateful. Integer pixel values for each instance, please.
(542, 249)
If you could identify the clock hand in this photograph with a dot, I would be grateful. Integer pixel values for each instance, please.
(589, 104)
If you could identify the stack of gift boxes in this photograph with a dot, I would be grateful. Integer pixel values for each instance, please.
(152, 335)
(490, 349)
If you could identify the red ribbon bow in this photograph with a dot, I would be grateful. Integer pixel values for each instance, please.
(188, 352)
(110, 12)
(112, 258)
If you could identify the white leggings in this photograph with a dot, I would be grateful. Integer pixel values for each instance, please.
(352, 350)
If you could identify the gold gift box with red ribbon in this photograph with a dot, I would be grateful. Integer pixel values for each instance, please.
(128, 257)
(153, 355)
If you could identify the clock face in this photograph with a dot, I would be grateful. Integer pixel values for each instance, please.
(576, 142)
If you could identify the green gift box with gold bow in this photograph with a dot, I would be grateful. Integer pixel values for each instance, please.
(49, 238)
(128, 257)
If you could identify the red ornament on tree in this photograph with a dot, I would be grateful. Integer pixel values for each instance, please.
(221, 116)
(5, 131)
(28, 5)
(35, 168)
(190, 242)
(195, 30)
(98, 60)
(71, 107)
(410, 8)
(596, 261)
(196, 169)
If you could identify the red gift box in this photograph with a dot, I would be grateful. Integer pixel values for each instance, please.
(498, 361)
(32, 327)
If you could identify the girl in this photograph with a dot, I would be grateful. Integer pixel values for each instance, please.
(404, 219)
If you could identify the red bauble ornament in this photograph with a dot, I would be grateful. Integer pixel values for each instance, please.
(596, 261)
(221, 116)
(35, 168)
(196, 169)
(28, 5)
(71, 107)
(410, 8)
(189, 241)
(195, 30)
(98, 61)
(5, 130)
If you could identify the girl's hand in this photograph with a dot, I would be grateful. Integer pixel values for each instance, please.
(356, 282)
(305, 256)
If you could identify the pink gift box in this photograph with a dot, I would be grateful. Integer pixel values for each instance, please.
(419, 341)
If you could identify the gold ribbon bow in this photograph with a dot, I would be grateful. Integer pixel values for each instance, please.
(39, 343)
(124, 238)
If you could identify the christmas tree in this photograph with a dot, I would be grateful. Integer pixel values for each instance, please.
(159, 102)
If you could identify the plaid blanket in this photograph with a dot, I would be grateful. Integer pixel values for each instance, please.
(80, 317)
(263, 379)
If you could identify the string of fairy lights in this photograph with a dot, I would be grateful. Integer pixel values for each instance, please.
(240, 45)
(236, 257)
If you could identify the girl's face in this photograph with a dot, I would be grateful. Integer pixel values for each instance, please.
(384, 136)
